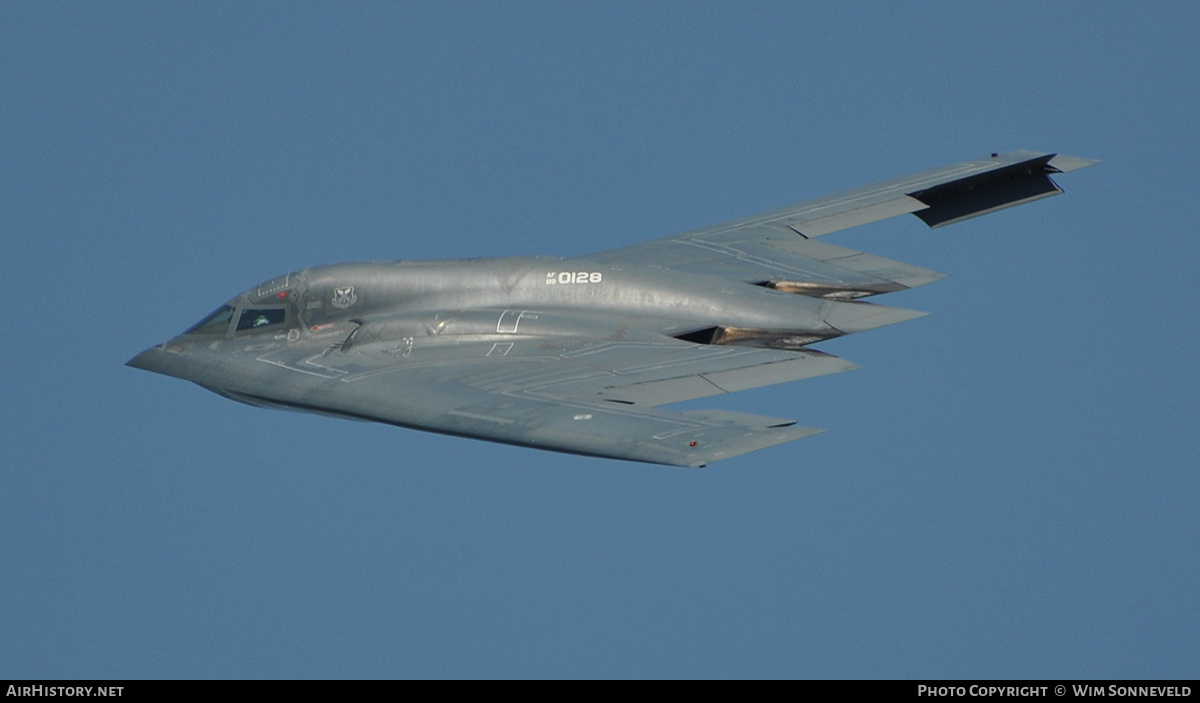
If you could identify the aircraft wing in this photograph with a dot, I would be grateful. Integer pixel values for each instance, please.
(778, 245)
(583, 396)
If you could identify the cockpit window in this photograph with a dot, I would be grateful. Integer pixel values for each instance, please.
(253, 318)
(216, 323)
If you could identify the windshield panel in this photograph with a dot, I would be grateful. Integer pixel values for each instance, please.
(216, 323)
(253, 318)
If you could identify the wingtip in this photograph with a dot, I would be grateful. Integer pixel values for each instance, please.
(1065, 163)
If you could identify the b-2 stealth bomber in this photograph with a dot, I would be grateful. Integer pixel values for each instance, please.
(577, 355)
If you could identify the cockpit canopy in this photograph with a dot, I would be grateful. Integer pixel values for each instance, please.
(264, 307)
(305, 300)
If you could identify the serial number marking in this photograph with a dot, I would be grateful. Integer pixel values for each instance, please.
(568, 277)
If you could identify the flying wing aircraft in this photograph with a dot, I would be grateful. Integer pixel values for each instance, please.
(577, 355)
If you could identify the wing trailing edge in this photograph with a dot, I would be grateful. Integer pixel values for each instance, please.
(939, 196)
(996, 189)
(739, 433)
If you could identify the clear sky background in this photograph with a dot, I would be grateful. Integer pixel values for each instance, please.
(1008, 488)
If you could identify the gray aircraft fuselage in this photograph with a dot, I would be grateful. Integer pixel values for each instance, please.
(441, 304)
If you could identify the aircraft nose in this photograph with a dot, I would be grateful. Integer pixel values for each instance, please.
(146, 360)
(157, 359)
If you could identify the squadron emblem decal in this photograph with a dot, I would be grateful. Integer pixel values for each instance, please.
(343, 297)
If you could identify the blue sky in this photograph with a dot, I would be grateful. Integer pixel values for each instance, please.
(1009, 487)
